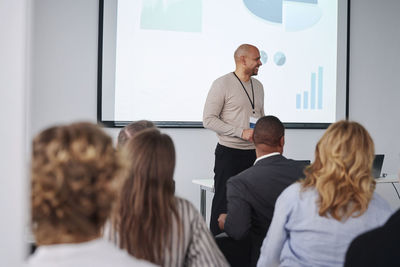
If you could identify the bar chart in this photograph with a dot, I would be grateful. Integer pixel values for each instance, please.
(312, 99)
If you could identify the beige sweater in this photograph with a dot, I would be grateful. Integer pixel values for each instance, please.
(227, 109)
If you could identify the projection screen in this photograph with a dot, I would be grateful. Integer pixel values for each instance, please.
(158, 58)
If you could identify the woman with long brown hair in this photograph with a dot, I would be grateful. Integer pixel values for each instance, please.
(316, 219)
(76, 174)
(151, 222)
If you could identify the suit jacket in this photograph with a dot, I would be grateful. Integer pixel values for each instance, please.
(251, 197)
(378, 247)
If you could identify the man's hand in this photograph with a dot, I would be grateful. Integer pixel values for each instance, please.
(221, 221)
(247, 134)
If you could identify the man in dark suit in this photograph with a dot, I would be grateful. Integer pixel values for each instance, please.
(252, 193)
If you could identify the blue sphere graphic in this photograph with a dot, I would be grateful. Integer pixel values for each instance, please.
(264, 57)
(279, 58)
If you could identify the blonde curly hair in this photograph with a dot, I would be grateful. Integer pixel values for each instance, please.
(75, 172)
(341, 172)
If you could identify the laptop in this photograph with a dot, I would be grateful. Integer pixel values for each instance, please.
(377, 165)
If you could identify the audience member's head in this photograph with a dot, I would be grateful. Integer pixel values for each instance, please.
(74, 172)
(131, 129)
(147, 204)
(269, 134)
(341, 172)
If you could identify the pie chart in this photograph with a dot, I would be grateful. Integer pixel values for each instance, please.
(293, 15)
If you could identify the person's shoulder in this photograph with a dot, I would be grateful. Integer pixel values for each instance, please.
(118, 257)
(256, 82)
(291, 192)
(289, 199)
(300, 165)
(369, 238)
(243, 174)
(294, 188)
(364, 249)
(97, 252)
(222, 83)
(186, 208)
(128, 260)
(242, 177)
(260, 170)
(224, 79)
(189, 215)
(381, 204)
(277, 161)
(394, 219)
(183, 202)
(228, 76)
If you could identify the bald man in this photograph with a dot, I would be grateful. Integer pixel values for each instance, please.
(233, 105)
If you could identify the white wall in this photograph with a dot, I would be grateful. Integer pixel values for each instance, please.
(64, 86)
(375, 74)
(64, 62)
(13, 93)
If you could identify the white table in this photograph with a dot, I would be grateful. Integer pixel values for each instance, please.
(208, 185)
(388, 179)
(205, 185)
(388, 188)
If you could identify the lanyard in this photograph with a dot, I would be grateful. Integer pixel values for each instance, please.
(252, 90)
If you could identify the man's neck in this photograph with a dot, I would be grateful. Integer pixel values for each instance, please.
(58, 236)
(264, 156)
(262, 150)
(242, 75)
(260, 154)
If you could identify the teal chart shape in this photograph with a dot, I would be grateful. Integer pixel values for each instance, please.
(263, 56)
(279, 58)
(177, 15)
(270, 10)
(294, 15)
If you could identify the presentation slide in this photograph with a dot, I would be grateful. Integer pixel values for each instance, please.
(168, 53)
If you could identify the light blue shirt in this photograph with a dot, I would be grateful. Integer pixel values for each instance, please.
(298, 236)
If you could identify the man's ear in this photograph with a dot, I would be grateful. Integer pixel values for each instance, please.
(243, 60)
(282, 141)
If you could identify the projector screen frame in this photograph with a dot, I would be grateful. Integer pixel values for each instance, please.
(343, 65)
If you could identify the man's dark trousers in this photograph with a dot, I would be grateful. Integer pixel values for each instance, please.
(228, 163)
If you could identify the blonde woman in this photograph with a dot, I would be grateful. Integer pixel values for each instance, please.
(316, 219)
(75, 173)
(151, 222)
